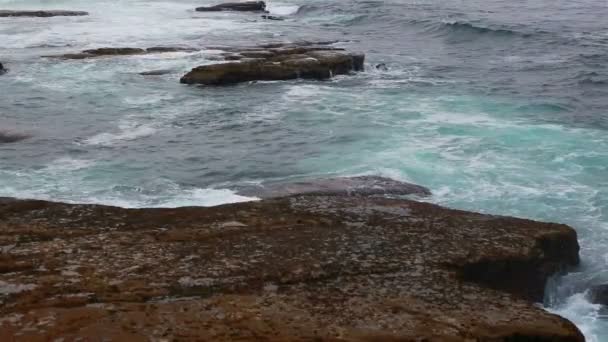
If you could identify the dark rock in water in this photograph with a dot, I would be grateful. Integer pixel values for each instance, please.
(301, 268)
(11, 136)
(114, 51)
(161, 49)
(339, 186)
(281, 62)
(272, 17)
(247, 6)
(156, 72)
(598, 294)
(381, 67)
(127, 51)
(44, 14)
(2, 69)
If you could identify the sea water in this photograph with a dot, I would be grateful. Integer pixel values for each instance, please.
(497, 106)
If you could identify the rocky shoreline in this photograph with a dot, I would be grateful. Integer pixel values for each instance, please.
(305, 267)
(326, 260)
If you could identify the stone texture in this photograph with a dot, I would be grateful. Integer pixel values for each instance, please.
(302, 268)
(44, 14)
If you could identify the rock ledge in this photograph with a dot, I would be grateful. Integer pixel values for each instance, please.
(300, 268)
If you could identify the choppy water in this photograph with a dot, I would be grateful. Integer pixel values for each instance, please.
(497, 106)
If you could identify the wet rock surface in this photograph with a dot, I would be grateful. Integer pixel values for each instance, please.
(43, 14)
(123, 51)
(298, 268)
(275, 62)
(339, 186)
(247, 6)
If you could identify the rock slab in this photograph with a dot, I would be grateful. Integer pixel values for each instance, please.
(41, 14)
(301, 268)
(276, 64)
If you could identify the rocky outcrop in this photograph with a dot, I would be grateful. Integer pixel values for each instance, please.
(124, 51)
(338, 186)
(44, 14)
(2, 69)
(277, 62)
(301, 268)
(247, 6)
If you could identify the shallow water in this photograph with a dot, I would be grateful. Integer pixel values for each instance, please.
(498, 107)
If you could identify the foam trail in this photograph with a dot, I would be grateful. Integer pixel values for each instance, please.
(282, 9)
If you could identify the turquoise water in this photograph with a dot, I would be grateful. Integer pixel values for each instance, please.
(496, 107)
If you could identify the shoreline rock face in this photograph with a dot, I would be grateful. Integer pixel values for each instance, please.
(247, 6)
(277, 64)
(300, 268)
(41, 14)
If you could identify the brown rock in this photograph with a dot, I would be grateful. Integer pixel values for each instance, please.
(247, 6)
(8, 13)
(301, 268)
(278, 64)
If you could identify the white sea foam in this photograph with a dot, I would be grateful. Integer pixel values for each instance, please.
(282, 9)
(127, 132)
(205, 198)
(583, 313)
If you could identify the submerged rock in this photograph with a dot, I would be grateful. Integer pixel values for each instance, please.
(598, 294)
(381, 67)
(57, 13)
(287, 269)
(124, 51)
(277, 62)
(7, 136)
(339, 186)
(247, 6)
(272, 17)
(156, 72)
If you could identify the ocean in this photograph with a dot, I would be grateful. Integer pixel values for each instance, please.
(497, 106)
